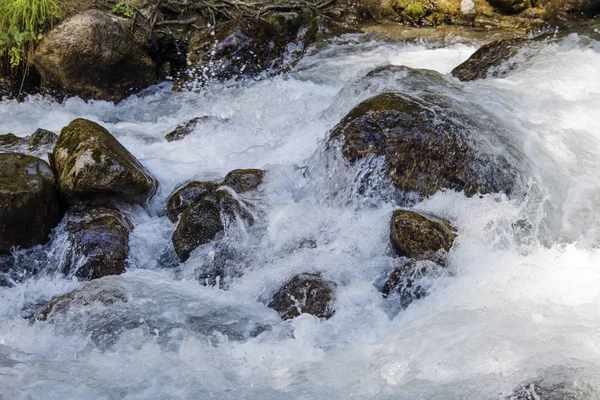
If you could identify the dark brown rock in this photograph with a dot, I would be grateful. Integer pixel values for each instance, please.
(492, 60)
(188, 127)
(427, 146)
(29, 206)
(243, 180)
(200, 223)
(101, 241)
(511, 6)
(93, 166)
(93, 55)
(305, 293)
(187, 196)
(420, 236)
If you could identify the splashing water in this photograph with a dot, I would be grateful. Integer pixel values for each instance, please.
(515, 305)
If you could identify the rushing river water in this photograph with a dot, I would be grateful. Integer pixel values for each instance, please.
(515, 305)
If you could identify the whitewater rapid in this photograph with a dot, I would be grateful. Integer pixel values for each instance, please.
(519, 301)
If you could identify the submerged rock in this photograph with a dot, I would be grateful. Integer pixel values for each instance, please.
(93, 166)
(29, 206)
(553, 389)
(100, 238)
(93, 293)
(305, 293)
(187, 196)
(188, 127)
(41, 138)
(410, 281)
(427, 146)
(243, 180)
(200, 223)
(93, 55)
(421, 236)
(492, 60)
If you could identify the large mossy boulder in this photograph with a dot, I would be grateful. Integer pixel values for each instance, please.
(93, 166)
(100, 238)
(420, 235)
(427, 145)
(304, 294)
(204, 220)
(491, 60)
(93, 55)
(29, 207)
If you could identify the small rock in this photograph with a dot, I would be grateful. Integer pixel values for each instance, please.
(409, 281)
(200, 223)
(187, 196)
(305, 293)
(492, 60)
(29, 206)
(420, 235)
(93, 55)
(467, 6)
(243, 180)
(40, 138)
(10, 140)
(188, 127)
(93, 166)
(101, 241)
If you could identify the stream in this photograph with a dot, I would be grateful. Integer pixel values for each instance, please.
(518, 302)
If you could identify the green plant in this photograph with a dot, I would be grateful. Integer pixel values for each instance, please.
(414, 12)
(22, 23)
(122, 10)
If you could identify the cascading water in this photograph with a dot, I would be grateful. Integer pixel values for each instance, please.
(519, 301)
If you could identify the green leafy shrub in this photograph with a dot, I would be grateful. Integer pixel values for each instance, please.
(123, 10)
(414, 12)
(22, 23)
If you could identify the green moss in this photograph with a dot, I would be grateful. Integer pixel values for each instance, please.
(414, 12)
(97, 155)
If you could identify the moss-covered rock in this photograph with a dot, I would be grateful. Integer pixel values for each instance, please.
(93, 166)
(243, 180)
(492, 60)
(41, 138)
(427, 145)
(202, 222)
(10, 140)
(100, 238)
(420, 235)
(92, 55)
(29, 206)
(305, 293)
(186, 196)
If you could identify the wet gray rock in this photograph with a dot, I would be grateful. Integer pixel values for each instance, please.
(410, 281)
(243, 180)
(202, 222)
(100, 238)
(421, 236)
(93, 55)
(186, 196)
(492, 60)
(29, 207)
(427, 145)
(41, 138)
(188, 127)
(550, 389)
(305, 293)
(93, 166)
